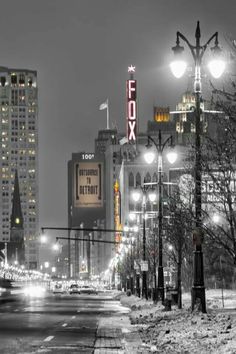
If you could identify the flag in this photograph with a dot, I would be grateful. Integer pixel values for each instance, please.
(103, 105)
(123, 141)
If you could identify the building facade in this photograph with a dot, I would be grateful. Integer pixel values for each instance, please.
(86, 210)
(19, 150)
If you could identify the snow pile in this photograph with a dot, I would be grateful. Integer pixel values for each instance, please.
(183, 331)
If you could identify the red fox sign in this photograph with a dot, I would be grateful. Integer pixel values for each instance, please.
(131, 109)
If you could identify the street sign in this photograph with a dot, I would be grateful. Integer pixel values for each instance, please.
(144, 266)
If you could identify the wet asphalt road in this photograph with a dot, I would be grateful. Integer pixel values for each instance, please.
(54, 324)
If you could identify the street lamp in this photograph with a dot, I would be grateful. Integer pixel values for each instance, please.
(149, 157)
(216, 67)
(130, 241)
(145, 193)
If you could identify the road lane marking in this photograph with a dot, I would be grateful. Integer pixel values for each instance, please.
(48, 339)
(64, 325)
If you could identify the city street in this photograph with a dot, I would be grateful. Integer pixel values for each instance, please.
(60, 324)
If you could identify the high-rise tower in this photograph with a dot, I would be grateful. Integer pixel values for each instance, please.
(19, 150)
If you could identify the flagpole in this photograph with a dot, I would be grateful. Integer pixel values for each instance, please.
(107, 115)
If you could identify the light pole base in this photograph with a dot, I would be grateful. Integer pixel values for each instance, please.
(144, 286)
(154, 295)
(160, 294)
(199, 298)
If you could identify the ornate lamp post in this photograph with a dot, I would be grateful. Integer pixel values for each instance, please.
(216, 67)
(144, 193)
(149, 157)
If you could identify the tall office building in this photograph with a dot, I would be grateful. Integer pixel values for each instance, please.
(19, 150)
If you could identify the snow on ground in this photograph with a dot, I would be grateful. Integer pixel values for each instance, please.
(183, 331)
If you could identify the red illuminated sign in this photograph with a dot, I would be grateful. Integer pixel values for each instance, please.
(117, 216)
(131, 109)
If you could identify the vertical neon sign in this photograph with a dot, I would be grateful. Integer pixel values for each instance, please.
(117, 223)
(131, 110)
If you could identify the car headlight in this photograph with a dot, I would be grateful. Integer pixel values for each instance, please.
(34, 291)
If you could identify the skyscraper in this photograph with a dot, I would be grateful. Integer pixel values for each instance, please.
(19, 150)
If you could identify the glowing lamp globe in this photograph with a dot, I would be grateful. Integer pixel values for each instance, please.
(178, 68)
(149, 157)
(152, 196)
(126, 228)
(136, 195)
(216, 67)
(172, 156)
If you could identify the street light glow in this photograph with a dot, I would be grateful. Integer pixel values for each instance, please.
(178, 68)
(216, 67)
(132, 216)
(152, 196)
(149, 157)
(126, 228)
(216, 218)
(56, 246)
(136, 195)
(172, 156)
(135, 228)
(43, 239)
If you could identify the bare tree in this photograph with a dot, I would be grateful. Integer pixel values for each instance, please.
(219, 180)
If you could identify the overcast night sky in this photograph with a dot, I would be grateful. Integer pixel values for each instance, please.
(81, 50)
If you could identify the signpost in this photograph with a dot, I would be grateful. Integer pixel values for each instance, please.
(144, 266)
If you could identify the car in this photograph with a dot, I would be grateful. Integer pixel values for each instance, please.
(88, 289)
(5, 289)
(74, 289)
(58, 289)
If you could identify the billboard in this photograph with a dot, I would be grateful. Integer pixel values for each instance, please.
(88, 184)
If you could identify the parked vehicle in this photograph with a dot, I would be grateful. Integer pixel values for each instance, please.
(58, 289)
(88, 289)
(74, 289)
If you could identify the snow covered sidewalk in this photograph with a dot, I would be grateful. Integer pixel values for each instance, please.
(181, 331)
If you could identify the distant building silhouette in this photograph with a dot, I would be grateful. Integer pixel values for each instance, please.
(15, 248)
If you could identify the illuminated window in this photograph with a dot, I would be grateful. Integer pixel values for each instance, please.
(22, 80)
(30, 81)
(13, 79)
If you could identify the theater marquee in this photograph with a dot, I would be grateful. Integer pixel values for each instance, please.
(88, 185)
(131, 110)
